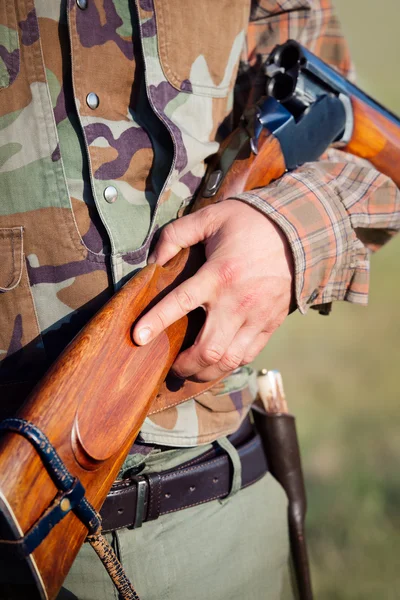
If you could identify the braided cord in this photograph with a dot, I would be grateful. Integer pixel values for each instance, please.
(112, 566)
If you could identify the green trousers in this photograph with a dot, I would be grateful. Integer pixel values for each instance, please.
(231, 549)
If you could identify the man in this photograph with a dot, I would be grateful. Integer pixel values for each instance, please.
(108, 110)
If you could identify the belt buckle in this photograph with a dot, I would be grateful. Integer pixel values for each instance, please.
(142, 484)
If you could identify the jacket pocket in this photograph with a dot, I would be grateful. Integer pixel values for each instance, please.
(9, 43)
(21, 349)
(200, 48)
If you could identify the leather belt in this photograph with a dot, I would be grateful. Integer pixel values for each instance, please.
(208, 477)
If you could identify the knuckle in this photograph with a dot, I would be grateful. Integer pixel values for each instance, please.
(185, 300)
(168, 234)
(208, 220)
(210, 356)
(161, 318)
(207, 214)
(271, 326)
(228, 272)
(230, 362)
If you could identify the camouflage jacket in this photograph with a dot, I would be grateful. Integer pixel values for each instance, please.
(108, 110)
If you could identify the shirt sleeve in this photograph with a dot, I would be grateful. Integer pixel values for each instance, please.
(338, 210)
(334, 213)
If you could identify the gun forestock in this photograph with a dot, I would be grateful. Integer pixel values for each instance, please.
(375, 138)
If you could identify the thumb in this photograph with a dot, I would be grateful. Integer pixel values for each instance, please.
(182, 233)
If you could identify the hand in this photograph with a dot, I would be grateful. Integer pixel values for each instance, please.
(245, 286)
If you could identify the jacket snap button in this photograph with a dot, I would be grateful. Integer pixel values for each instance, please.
(82, 4)
(92, 100)
(110, 194)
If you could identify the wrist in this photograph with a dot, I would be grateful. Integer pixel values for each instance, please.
(283, 264)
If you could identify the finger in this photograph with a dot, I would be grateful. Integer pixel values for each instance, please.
(187, 296)
(210, 346)
(235, 355)
(254, 349)
(182, 233)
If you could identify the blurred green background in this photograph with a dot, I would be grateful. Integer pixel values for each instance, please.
(342, 381)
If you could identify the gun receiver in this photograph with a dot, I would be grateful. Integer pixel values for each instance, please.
(299, 80)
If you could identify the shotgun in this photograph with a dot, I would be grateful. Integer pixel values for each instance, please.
(62, 451)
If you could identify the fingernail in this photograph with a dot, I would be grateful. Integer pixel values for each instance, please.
(144, 335)
(151, 259)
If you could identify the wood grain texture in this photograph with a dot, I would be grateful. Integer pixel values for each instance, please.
(91, 404)
(377, 139)
(104, 369)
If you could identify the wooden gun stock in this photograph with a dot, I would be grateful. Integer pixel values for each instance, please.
(91, 405)
(92, 402)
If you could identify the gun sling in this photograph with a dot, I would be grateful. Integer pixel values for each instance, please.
(208, 477)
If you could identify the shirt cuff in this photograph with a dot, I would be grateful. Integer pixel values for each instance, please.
(329, 259)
